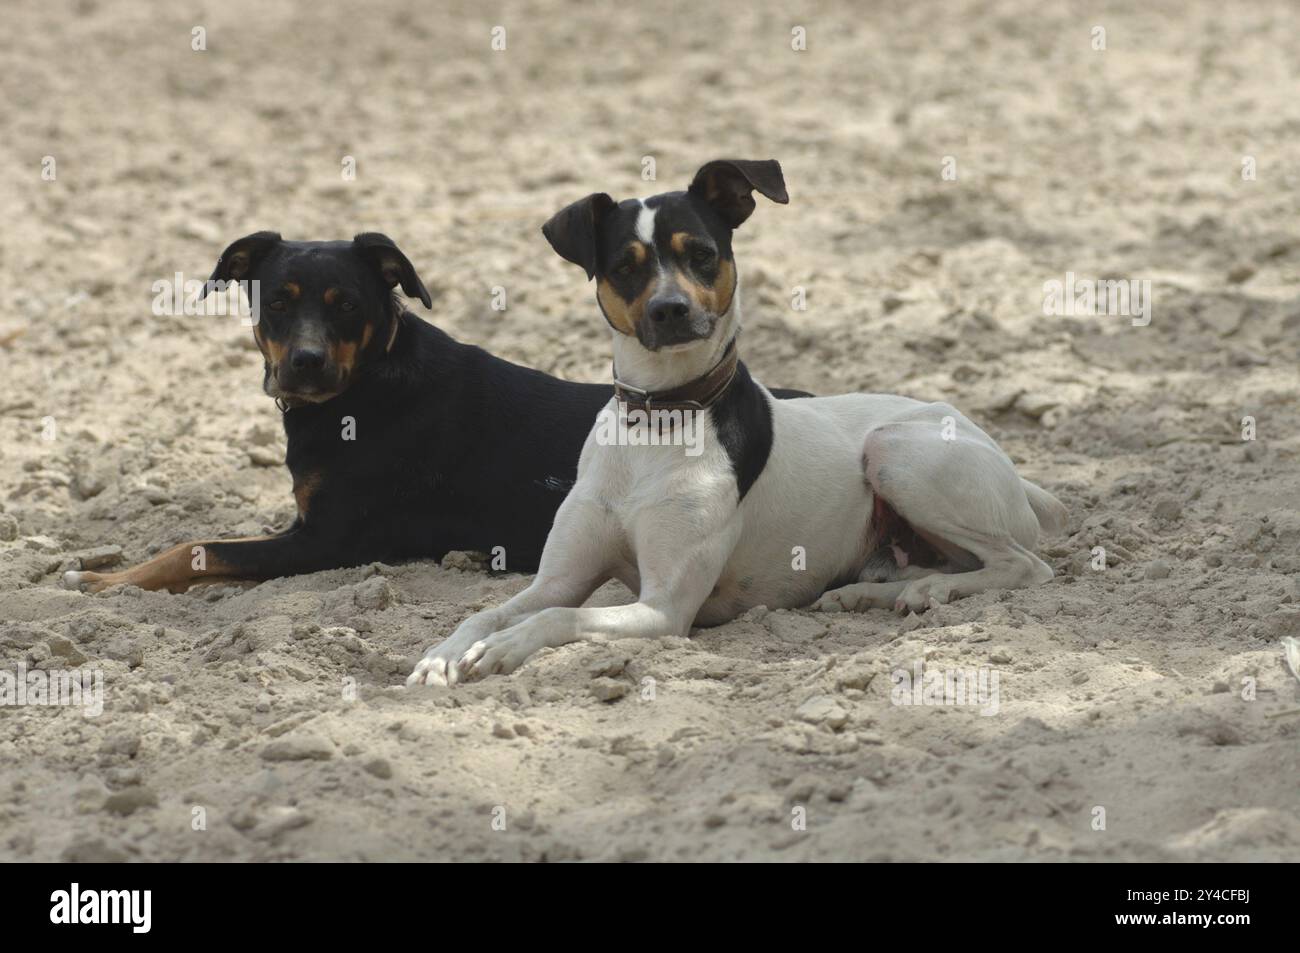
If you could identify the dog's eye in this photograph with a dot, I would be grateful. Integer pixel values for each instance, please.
(277, 305)
(702, 256)
(348, 306)
(625, 268)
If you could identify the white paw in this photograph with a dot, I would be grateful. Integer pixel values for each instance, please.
(84, 581)
(440, 665)
(829, 602)
(502, 652)
(929, 592)
(857, 597)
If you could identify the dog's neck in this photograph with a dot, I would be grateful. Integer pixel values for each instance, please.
(665, 370)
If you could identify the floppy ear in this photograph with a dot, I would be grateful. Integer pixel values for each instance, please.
(392, 264)
(728, 185)
(572, 231)
(237, 261)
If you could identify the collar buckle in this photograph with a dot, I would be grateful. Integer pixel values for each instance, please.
(714, 384)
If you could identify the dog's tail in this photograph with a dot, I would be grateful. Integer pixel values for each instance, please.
(1050, 511)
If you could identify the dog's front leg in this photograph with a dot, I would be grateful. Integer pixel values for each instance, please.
(575, 562)
(438, 667)
(676, 578)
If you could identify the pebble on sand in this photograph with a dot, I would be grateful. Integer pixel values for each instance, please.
(302, 746)
(1157, 569)
(129, 800)
(66, 649)
(42, 544)
(609, 689)
(1035, 405)
(100, 557)
(1168, 510)
(823, 710)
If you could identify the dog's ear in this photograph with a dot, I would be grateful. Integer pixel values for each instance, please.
(395, 267)
(237, 261)
(728, 185)
(572, 231)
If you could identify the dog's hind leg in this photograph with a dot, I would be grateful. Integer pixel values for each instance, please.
(961, 495)
(859, 596)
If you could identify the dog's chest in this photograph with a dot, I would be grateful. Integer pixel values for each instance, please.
(686, 477)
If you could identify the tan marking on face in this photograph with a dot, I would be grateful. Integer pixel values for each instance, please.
(303, 491)
(679, 241)
(344, 356)
(366, 335)
(271, 350)
(294, 289)
(715, 298)
(331, 295)
(622, 315)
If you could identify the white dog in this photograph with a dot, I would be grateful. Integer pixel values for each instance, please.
(884, 501)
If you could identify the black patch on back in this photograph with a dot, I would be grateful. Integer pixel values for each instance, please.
(743, 420)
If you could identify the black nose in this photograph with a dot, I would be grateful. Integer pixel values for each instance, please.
(306, 359)
(668, 307)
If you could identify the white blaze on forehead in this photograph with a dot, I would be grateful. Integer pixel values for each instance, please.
(645, 223)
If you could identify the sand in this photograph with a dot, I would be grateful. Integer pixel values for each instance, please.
(1144, 711)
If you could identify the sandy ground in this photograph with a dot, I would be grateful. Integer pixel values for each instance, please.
(269, 723)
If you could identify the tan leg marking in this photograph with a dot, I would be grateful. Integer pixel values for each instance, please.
(172, 570)
(304, 490)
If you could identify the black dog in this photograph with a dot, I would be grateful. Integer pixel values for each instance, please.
(403, 443)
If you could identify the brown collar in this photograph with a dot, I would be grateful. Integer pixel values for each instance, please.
(693, 395)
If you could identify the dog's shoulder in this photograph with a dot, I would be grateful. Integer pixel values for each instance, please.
(742, 422)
